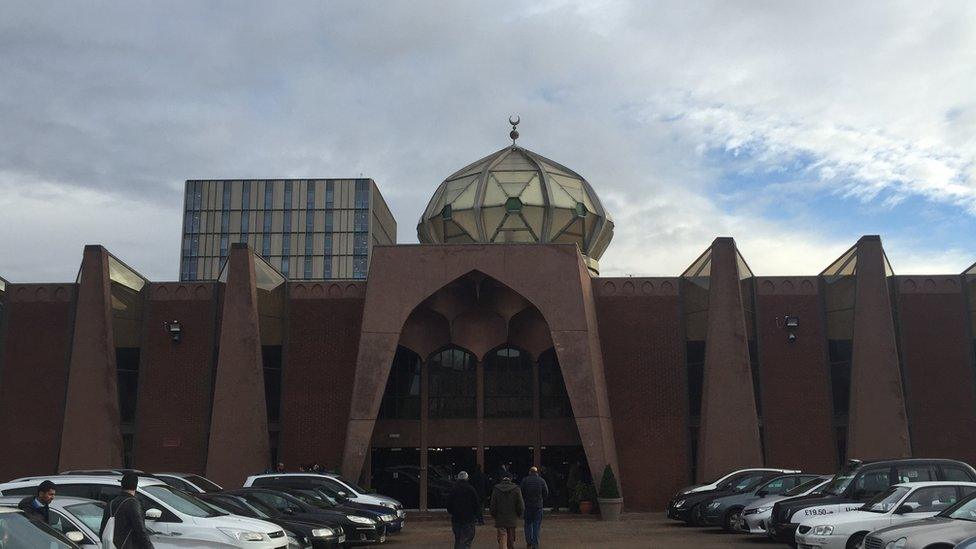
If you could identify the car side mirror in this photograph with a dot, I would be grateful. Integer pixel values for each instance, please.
(904, 509)
(153, 514)
(75, 536)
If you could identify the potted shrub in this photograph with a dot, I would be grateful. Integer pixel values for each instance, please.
(609, 497)
(586, 495)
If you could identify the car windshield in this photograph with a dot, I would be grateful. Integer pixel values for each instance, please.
(18, 531)
(352, 485)
(746, 484)
(887, 500)
(331, 493)
(182, 502)
(203, 483)
(964, 510)
(839, 483)
(312, 498)
(89, 513)
(801, 489)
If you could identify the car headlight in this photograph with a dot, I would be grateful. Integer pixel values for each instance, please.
(680, 503)
(764, 509)
(360, 520)
(243, 535)
(823, 530)
(388, 518)
(322, 533)
(897, 544)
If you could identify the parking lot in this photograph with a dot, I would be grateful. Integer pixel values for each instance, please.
(634, 530)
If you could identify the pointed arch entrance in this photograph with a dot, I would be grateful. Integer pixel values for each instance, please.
(506, 323)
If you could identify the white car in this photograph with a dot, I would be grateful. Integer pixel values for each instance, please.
(338, 484)
(755, 516)
(168, 511)
(715, 484)
(16, 531)
(83, 518)
(898, 504)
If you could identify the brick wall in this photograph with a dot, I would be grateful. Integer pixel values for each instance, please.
(643, 354)
(173, 408)
(937, 368)
(796, 400)
(317, 376)
(33, 378)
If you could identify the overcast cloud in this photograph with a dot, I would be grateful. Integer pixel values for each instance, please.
(793, 126)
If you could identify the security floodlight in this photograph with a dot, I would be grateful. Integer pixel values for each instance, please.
(174, 330)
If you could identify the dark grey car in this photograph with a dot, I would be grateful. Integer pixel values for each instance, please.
(724, 511)
(952, 526)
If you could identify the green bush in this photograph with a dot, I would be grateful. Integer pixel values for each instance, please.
(608, 485)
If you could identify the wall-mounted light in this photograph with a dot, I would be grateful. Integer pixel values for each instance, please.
(791, 323)
(174, 330)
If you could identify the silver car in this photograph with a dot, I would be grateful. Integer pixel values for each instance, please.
(755, 516)
(84, 517)
(952, 526)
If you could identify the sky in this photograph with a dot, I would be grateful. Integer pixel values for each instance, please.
(794, 127)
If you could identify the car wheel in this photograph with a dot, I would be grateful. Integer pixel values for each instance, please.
(854, 542)
(732, 519)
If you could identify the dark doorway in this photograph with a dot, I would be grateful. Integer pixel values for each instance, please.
(517, 458)
(443, 465)
(396, 473)
(560, 466)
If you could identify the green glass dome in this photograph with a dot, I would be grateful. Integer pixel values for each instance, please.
(516, 195)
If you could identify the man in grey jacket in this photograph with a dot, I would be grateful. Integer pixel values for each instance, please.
(534, 491)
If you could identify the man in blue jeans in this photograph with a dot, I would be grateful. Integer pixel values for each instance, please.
(534, 491)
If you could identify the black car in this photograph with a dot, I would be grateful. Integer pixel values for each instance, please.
(317, 497)
(855, 484)
(319, 534)
(360, 527)
(394, 521)
(689, 507)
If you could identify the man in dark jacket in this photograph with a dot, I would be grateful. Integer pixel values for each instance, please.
(36, 507)
(479, 480)
(130, 528)
(535, 490)
(507, 507)
(464, 507)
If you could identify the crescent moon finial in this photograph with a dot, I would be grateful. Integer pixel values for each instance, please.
(514, 134)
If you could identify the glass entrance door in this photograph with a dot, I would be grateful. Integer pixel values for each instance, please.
(396, 473)
(518, 459)
(443, 465)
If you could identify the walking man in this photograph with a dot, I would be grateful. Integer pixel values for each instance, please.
(130, 528)
(507, 508)
(36, 507)
(464, 506)
(534, 490)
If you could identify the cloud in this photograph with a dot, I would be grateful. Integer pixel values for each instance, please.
(793, 127)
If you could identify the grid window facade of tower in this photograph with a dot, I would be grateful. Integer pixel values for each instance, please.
(308, 229)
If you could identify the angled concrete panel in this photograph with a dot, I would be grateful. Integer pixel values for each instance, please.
(90, 435)
(877, 425)
(239, 444)
(729, 435)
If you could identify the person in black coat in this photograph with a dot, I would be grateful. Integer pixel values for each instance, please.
(534, 490)
(479, 480)
(464, 506)
(130, 528)
(36, 507)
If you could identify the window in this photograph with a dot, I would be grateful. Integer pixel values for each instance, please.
(362, 193)
(271, 356)
(361, 222)
(922, 473)
(452, 384)
(746, 483)
(778, 485)
(553, 400)
(268, 195)
(886, 501)
(932, 500)
(127, 366)
(88, 513)
(329, 194)
(951, 472)
(328, 223)
(508, 384)
(360, 243)
(401, 400)
(182, 502)
(359, 266)
(307, 271)
(871, 483)
(277, 502)
(310, 197)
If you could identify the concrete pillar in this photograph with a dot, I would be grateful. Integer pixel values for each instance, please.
(877, 422)
(90, 435)
(729, 435)
(239, 444)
